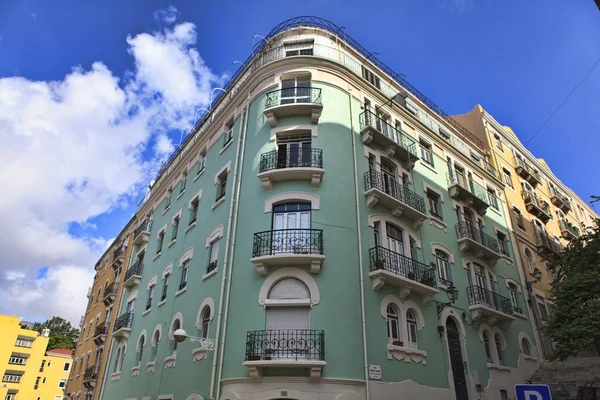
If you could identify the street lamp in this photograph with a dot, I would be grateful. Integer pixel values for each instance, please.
(196, 114)
(212, 95)
(206, 344)
(537, 275)
(452, 293)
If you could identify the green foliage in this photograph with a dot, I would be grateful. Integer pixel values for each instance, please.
(575, 323)
(62, 334)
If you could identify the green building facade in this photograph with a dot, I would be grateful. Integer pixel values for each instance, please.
(333, 235)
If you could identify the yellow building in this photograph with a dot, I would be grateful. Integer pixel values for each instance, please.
(545, 213)
(29, 372)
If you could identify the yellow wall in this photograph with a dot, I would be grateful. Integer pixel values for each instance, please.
(10, 332)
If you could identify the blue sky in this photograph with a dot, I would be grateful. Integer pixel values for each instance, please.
(519, 59)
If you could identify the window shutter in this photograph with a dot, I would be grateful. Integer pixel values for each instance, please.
(214, 251)
(288, 318)
(289, 288)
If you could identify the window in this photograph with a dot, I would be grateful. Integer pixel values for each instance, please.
(184, 274)
(294, 151)
(165, 287)
(435, 209)
(150, 296)
(201, 163)
(205, 322)
(542, 308)
(498, 340)
(141, 346)
(296, 90)
(222, 186)
(519, 218)
(183, 182)
(159, 242)
(514, 299)
(304, 48)
(214, 256)
(194, 211)
(508, 178)
(392, 323)
(17, 360)
(503, 394)
(503, 243)
(486, 345)
(498, 142)
(443, 267)
(371, 77)
(66, 366)
(176, 325)
(155, 342)
(62, 383)
(526, 347)
(175, 227)
(426, 153)
(411, 329)
(291, 228)
(228, 137)
(120, 358)
(37, 382)
(168, 200)
(492, 198)
(529, 260)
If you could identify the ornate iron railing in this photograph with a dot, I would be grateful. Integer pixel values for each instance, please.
(377, 180)
(293, 344)
(145, 226)
(382, 258)
(542, 239)
(530, 197)
(565, 225)
(368, 118)
(469, 185)
(124, 321)
(484, 297)
(296, 241)
(90, 374)
(212, 266)
(119, 252)
(111, 289)
(466, 229)
(291, 158)
(135, 269)
(100, 329)
(561, 197)
(293, 95)
(520, 163)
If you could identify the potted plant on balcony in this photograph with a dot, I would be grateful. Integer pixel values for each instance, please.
(411, 275)
(380, 262)
(253, 358)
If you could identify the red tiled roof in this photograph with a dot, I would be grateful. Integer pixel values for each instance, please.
(61, 351)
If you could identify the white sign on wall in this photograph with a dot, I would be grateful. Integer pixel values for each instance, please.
(374, 372)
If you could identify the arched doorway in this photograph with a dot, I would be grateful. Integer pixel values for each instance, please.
(456, 360)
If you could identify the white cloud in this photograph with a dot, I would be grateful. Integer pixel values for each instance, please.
(72, 150)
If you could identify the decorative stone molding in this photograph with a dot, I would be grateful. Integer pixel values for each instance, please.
(150, 367)
(289, 272)
(115, 377)
(407, 354)
(315, 201)
(135, 371)
(170, 361)
(199, 354)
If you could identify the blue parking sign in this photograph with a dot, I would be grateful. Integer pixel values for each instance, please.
(533, 392)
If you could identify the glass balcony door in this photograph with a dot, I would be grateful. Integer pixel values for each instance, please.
(296, 90)
(291, 228)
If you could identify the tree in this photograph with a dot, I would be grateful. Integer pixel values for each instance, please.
(62, 334)
(575, 323)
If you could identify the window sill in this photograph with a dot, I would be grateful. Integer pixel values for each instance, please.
(438, 223)
(529, 358)
(177, 293)
(498, 367)
(170, 361)
(208, 275)
(135, 371)
(407, 354)
(199, 354)
(199, 174)
(147, 311)
(219, 202)
(150, 367)
(226, 146)
(190, 227)
(156, 256)
(166, 210)
(180, 194)
(115, 376)
(497, 211)
(428, 166)
(171, 243)
(161, 303)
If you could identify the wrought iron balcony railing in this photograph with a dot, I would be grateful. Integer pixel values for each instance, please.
(135, 269)
(369, 119)
(472, 187)
(377, 180)
(295, 241)
(111, 289)
(145, 226)
(545, 243)
(484, 297)
(466, 229)
(292, 344)
(292, 158)
(567, 226)
(382, 258)
(526, 168)
(90, 374)
(309, 95)
(559, 199)
(212, 266)
(124, 321)
(100, 329)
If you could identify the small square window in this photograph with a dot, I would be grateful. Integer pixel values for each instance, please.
(426, 152)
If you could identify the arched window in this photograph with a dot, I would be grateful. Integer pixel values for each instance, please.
(155, 342)
(117, 360)
(205, 321)
(443, 267)
(486, 345)
(141, 345)
(176, 325)
(526, 347)
(498, 340)
(392, 323)
(411, 329)
(529, 260)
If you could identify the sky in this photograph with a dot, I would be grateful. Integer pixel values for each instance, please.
(94, 95)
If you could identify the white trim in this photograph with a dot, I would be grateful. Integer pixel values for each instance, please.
(167, 271)
(289, 272)
(510, 280)
(427, 186)
(186, 256)
(132, 297)
(177, 317)
(226, 167)
(214, 235)
(158, 328)
(178, 214)
(403, 307)
(194, 397)
(166, 397)
(395, 221)
(446, 313)
(145, 335)
(194, 197)
(152, 282)
(142, 249)
(313, 129)
(208, 302)
(161, 230)
(533, 347)
(315, 201)
(438, 246)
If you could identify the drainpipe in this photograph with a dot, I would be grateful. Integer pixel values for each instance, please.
(227, 269)
(360, 260)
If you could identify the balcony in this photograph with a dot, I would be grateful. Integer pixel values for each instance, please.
(396, 143)
(568, 230)
(469, 193)
(536, 207)
(293, 348)
(134, 274)
(293, 164)
(288, 247)
(484, 302)
(408, 275)
(122, 326)
(100, 333)
(559, 200)
(381, 189)
(473, 240)
(110, 293)
(142, 232)
(118, 257)
(527, 172)
(292, 102)
(546, 246)
(90, 377)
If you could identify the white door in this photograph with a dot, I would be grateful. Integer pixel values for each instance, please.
(291, 232)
